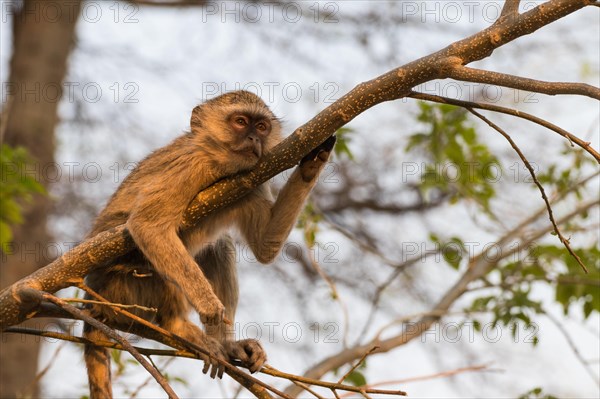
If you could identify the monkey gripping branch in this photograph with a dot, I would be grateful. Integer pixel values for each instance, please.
(24, 299)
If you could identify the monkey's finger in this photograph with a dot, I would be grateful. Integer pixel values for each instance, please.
(311, 156)
(239, 353)
(256, 356)
(329, 143)
(214, 319)
(323, 156)
(207, 320)
(214, 369)
(258, 364)
(325, 146)
(259, 357)
(206, 366)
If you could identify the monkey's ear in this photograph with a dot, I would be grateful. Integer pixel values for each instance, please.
(196, 119)
(325, 146)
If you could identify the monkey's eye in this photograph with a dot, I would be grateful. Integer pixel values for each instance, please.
(262, 126)
(240, 120)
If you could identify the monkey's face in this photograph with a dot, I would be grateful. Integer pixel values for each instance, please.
(237, 129)
(250, 132)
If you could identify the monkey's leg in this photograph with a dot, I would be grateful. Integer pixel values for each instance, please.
(138, 283)
(97, 361)
(218, 264)
(189, 331)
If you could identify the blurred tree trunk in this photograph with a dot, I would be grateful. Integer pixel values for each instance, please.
(43, 35)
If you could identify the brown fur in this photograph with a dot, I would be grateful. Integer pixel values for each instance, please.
(163, 273)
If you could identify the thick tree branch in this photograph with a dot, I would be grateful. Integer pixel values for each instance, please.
(516, 82)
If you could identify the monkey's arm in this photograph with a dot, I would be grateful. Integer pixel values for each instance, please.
(168, 255)
(153, 224)
(266, 228)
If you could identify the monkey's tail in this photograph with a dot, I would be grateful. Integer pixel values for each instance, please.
(97, 361)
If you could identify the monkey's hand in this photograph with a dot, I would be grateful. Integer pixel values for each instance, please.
(212, 311)
(248, 352)
(216, 351)
(313, 162)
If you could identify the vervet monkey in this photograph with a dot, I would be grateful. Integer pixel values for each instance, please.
(176, 271)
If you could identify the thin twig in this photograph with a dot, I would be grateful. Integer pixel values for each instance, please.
(44, 371)
(511, 7)
(148, 379)
(362, 359)
(181, 343)
(331, 385)
(573, 347)
(104, 344)
(433, 313)
(474, 75)
(112, 334)
(172, 3)
(110, 304)
(562, 239)
(307, 389)
(480, 265)
(586, 145)
(398, 268)
(334, 292)
(443, 374)
(187, 354)
(364, 394)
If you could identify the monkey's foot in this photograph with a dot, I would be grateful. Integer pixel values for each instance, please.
(216, 351)
(313, 162)
(248, 352)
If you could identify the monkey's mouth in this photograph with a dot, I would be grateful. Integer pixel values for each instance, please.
(250, 150)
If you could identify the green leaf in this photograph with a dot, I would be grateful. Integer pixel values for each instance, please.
(16, 189)
(450, 144)
(309, 222)
(536, 393)
(6, 234)
(342, 144)
(356, 378)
